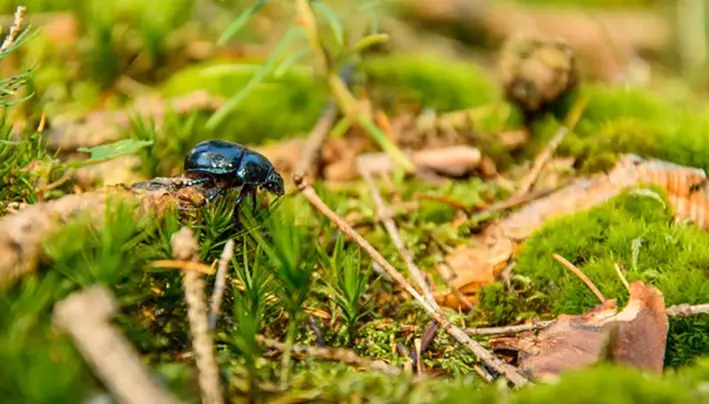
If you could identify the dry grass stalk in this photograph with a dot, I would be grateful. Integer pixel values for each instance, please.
(185, 248)
(14, 29)
(509, 372)
(220, 283)
(571, 267)
(85, 316)
(386, 218)
(315, 141)
(621, 276)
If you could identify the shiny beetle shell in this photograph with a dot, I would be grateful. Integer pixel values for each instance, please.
(241, 165)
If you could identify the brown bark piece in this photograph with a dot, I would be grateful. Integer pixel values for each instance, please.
(22, 233)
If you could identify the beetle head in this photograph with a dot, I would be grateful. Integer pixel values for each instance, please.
(274, 183)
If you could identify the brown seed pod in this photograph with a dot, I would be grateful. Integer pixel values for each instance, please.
(537, 71)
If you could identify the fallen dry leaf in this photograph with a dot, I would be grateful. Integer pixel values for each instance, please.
(474, 267)
(572, 342)
(640, 335)
(635, 337)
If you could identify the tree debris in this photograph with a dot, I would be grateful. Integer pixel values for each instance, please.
(480, 265)
(22, 233)
(482, 354)
(185, 248)
(85, 315)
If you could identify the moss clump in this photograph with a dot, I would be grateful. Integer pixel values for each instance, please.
(622, 120)
(281, 106)
(635, 231)
(611, 385)
(428, 82)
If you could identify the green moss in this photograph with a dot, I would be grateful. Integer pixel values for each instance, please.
(609, 385)
(633, 230)
(429, 82)
(623, 120)
(285, 106)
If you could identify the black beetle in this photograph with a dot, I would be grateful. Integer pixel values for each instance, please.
(236, 166)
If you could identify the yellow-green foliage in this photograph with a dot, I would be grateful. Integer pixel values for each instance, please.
(279, 107)
(444, 85)
(634, 230)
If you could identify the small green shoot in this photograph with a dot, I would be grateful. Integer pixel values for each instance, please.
(110, 151)
(348, 282)
(291, 261)
(250, 307)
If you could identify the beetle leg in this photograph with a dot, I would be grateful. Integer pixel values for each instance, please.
(213, 195)
(243, 193)
(253, 200)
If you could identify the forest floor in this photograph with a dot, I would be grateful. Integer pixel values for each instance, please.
(468, 214)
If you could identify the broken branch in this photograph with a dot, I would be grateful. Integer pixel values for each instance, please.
(85, 316)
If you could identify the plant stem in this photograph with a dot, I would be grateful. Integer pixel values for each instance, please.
(342, 96)
(285, 360)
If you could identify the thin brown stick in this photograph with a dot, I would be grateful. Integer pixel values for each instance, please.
(391, 228)
(322, 128)
(621, 276)
(335, 354)
(515, 200)
(184, 247)
(545, 156)
(316, 138)
(541, 161)
(220, 282)
(85, 315)
(445, 200)
(509, 372)
(678, 310)
(58, 183)
(571, 267)
(447, 279)
(685, 310)
(509, 329)
(14, 29)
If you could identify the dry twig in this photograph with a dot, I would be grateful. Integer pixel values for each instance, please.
(315, 141)
(393, 230)
(85, 316)
(541, 161)
(678, 310)
(335, 354)
(509, 329)
(22, 233)
(509, 372)
(514, 201)
(685, 310)
(220, 282)
(545, 156)
(185, 248)
(571, 267)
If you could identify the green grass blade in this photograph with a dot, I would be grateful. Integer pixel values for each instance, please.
(332, 19)
(239, 23)
(221, 114)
